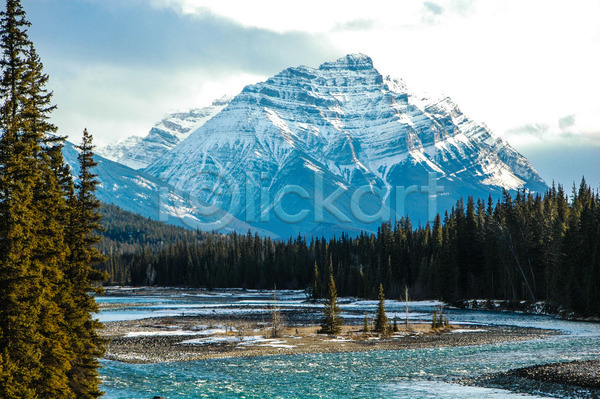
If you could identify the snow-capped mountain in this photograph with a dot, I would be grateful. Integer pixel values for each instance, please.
(138, 192)
(137, 152)
(314, 150)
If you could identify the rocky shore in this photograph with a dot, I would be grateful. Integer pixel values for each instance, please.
(540, 307)
(188, 338)
(578, 379)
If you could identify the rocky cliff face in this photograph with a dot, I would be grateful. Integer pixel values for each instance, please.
(341, 133)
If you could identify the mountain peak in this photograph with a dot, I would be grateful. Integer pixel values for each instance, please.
(355, 62)
(356, 129)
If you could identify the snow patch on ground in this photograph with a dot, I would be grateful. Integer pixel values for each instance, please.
(240, 341)
(132, 334)
(463, 330)
(275, 343)
(221, 339)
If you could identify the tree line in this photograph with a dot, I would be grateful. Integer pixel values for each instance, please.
(523, 246)
(126, 235)
(49, 345)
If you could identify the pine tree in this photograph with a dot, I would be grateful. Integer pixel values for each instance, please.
(15, 42)
(381, 321)
(316, 286)
(50, 196)
(47, 335)
(21, 275)
(332, 322)
(276, 322)
(85, 222)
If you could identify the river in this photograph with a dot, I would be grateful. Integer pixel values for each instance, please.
(414, 373)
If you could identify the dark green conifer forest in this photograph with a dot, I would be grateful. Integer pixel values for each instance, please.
(49, 345)
(524, 246)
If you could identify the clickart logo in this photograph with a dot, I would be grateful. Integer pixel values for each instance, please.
(211, 200)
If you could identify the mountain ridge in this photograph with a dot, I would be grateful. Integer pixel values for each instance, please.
(138, 152)
(143, 194)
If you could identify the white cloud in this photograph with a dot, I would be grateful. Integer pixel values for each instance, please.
(136, 63)
(308, 15)
(505, 62)
(114, 102)
(579, 129)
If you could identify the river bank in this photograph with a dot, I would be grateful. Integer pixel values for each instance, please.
(577, 379)
(536, 308)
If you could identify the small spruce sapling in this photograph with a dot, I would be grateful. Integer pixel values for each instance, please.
(381, 321)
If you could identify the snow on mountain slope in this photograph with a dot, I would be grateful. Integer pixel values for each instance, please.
(344, 129)
(116, 151)
(137, 152)
(138, 192)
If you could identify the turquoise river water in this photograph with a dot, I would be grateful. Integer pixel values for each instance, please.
(414, 373)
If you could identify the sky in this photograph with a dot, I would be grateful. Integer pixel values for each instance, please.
(527, 69)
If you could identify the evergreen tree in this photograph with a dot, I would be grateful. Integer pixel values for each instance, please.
(381, 321)
(32, 351)
(316, 286)
(14, 42)
(47, 336)
(276, 322)
(87, 345)
(332, 322)
(50, 196)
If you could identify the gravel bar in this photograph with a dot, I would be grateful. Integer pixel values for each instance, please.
(577, 379)
(295, 340)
